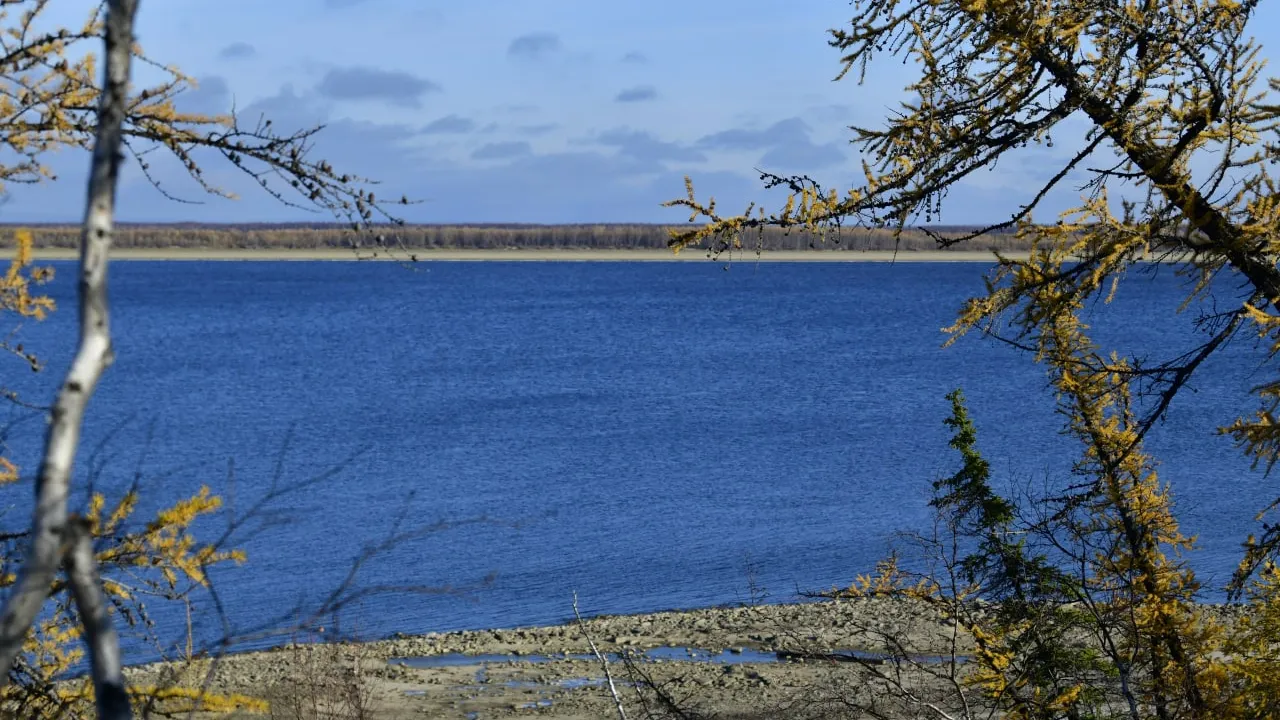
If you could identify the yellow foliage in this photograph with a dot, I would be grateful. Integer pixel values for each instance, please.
(128, 561)
(171, 701)
(49, 100)
(51, 92)
(1175, 166)
(151, 561)
(890, 581)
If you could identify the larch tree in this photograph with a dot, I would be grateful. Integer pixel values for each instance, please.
(1097, 614)
(72, 577)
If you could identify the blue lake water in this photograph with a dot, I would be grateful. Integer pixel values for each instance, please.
(649, 435)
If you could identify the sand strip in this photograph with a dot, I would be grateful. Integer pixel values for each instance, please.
(536, 255)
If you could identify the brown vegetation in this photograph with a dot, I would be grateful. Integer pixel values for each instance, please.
(323, 682)
(297, 236)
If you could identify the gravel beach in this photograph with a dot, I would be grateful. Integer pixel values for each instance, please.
(724, 659)
(737, 663)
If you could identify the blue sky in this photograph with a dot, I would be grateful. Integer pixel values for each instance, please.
(528, 110)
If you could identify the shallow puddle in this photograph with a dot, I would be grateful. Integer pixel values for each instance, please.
(669, 653)
(462, 660)
(734, 656)
(728, 656)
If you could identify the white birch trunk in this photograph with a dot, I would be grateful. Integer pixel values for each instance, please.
(53, 541)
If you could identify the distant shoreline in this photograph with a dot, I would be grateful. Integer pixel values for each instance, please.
(532, 255)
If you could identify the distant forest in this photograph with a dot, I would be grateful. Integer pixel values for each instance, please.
(280, 236)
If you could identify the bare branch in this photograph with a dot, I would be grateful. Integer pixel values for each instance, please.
(604, 663)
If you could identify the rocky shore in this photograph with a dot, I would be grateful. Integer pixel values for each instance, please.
(726, 657)
(738, 662)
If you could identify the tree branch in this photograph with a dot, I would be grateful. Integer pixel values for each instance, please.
(604, 663)
(93, 355)
(100, 635)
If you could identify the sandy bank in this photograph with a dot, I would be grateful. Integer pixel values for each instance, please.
(548, 255)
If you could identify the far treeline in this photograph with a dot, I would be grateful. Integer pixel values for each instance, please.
(264, 236)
